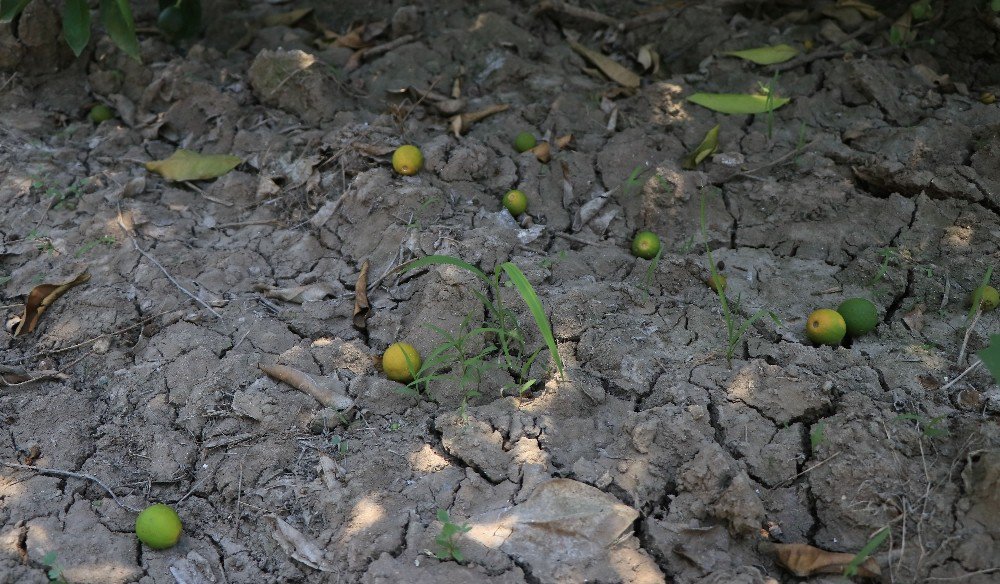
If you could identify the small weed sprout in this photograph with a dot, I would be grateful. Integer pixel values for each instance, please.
(104, 240)
(734, 330)
(887, 254)
(929, 427)
(852, 568)
(817, 435)
(447, 548)
(53, 570)
(505, 344)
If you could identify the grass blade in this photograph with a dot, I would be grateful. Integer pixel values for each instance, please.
(871, 546)
(535, 306)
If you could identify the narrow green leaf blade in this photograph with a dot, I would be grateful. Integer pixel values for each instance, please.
(737, 103)
(707, 147)
(187, 165)
(76, 25)
(871, 546)
(990, 356)
(117, 18)
(766, 55)
(11, 8)
(535, 306)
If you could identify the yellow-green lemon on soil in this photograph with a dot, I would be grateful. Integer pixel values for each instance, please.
(826, 327)
(860, 315)
(407, 159)
(525, 141)
(986, 296)
(158, 526)
(516, 202)
(400, 361)
(645, 245)
(100, 113)
(716, 282)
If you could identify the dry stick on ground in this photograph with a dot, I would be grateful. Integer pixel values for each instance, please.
(74, 475)
(810, 469)
(574, 11)
(963, 576)
(172, 280)
(968, 333)
(809, 58)
(961, 375)
(775, 162)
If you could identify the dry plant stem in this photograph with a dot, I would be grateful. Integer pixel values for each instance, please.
(782, 159)
(74, 475)
(968, 333)
(963, 576)
(805, 59)
(810, 469)
(968, 370)
(581, 241)
(574, 11)
(172, 280)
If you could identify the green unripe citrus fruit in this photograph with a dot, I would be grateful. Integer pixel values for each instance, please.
(860, 315)
(100, 113)
(400, 362)
(171, 20)
(516, 202)
(645, 245)
(407, 160)
(826, 327)
(985, 296)
(158, 526)
(525, 141)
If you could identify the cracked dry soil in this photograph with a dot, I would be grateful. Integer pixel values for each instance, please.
(674, 465)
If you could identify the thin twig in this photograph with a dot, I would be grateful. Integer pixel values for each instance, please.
(91, 340)
(816, 55)
(963, 374)
(782, 159)
(810, 469)
(7, 82)
(968, 333)
(172, 280)
(574, 11)
(75, 475)
(580, 240)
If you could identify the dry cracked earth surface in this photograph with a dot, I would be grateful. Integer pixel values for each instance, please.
(651, 459)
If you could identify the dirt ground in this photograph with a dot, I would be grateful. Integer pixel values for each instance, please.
(651, 459)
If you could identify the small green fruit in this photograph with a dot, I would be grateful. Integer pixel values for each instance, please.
(516, 202)
(645, 245)
(985, 296)
(826, 327)
(171, 21)
(525, 141)
(158, 526)
(860, 315)
(100, 113)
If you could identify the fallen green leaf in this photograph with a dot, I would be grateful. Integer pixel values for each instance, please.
(11, 8)
(737, 103)
(766, 55)
(76, 25)
(707, 147)
(117, 18)
(188, 165)
(990, 357)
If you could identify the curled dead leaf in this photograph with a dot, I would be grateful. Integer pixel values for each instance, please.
(298, 547)
(286, 18)
(543, 152)
(11, 375)
(805, 560)
(327, 390)
(649, 59)
(361, 306)
(617, 73)
(462, 122)
(563, 142)
(39, 300)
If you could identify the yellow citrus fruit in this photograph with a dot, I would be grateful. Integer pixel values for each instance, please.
(407, 160)
(645, 245)
(716, 282)
(516, 202)
(100, 113)
(826, 327)
(986, 296)
(158, 526)
(400, 361)
(525, 141)
(860, 315)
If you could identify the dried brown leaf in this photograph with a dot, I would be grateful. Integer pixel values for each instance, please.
(39, 300)
(563, 142)
(914, 319)
(10, 375)
(361, 306)
(543, 152)
(608, 66)
(462, 122)
(286, 18)
(327, 390)
(805, 560)
(297, 294)
(649, 59)
(298, 547)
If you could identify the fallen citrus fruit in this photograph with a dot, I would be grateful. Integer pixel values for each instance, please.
(645, 245)
(400, 361)
(100, 113)
(407, 159)
(859, 315)
(986, 296)
(826, 327)
(171, 20)
(716, 282)
(525, 141)
(158, 526)
(516, 202)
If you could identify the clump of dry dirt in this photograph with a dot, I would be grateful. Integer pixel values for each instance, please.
(652, 459)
